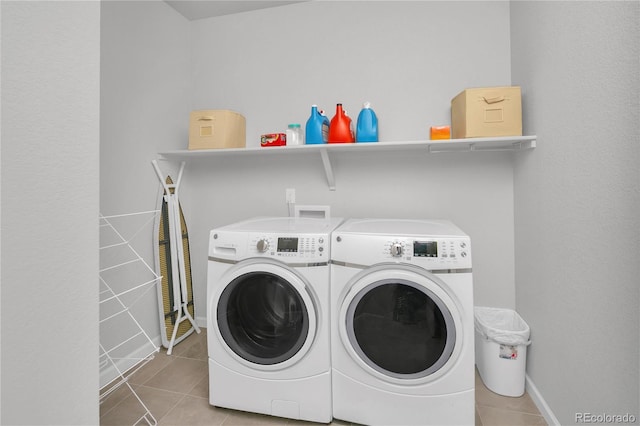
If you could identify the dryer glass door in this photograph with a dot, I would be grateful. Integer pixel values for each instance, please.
(263, 318)
(400, 329)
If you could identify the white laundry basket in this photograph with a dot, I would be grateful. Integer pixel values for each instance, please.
(502, 338)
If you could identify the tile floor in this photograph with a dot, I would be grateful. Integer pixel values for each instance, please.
(175, 389)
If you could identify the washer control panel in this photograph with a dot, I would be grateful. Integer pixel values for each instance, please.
(284, 246)
(306, 248)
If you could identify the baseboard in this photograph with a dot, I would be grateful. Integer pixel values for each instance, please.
(201, 321)
(542, 405)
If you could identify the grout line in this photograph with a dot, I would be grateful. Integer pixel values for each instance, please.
(476, 405)
(163, 390)
(505, 410)
(513, 410)
(172, 408)
(154, 375)
(122, 400)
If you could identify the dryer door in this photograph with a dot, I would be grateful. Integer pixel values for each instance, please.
(266, 315)
(401, 324)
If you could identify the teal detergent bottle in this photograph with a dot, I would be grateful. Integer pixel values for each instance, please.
(367, 127)
(317, 128)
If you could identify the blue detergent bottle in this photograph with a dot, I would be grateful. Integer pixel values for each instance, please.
(317, 128)
(367, 127)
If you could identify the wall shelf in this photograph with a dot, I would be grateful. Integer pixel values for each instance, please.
(508, 143)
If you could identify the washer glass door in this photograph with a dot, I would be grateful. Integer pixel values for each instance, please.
(263, 318)
(400, 328)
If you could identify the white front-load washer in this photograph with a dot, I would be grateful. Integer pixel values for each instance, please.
(268, 317)
(402, 333)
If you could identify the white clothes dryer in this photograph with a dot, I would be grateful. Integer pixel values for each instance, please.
(402, 334)
(268, 317)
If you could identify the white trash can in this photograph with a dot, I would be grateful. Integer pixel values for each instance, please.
(502, 338)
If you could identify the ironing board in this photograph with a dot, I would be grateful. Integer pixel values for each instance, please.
(173, 264)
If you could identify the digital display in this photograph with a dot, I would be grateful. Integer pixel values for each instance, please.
(287, 244)
(425, 248)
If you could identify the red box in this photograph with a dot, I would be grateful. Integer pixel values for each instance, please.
(273, 139)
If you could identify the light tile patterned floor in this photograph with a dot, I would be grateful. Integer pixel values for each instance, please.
(175, 389)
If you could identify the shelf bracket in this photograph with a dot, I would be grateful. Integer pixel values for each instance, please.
(328, 170)
(525, 144)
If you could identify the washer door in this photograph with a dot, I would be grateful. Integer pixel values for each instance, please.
(400, 324)
(266, 315)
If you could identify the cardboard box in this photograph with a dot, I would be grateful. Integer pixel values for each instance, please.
(487, 112)
(214, 129)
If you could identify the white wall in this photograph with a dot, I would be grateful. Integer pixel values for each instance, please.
(144, 108)
(50, 131)
(409, 59)
(577, 202)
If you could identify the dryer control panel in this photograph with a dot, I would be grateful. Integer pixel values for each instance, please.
(428, 248)
(427, 252)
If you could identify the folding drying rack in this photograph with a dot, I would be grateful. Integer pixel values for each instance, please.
(124, 279)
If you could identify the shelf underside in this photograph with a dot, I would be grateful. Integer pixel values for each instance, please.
(508, 143)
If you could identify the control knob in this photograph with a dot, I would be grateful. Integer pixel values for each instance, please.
(396, 249)
(263, 245)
